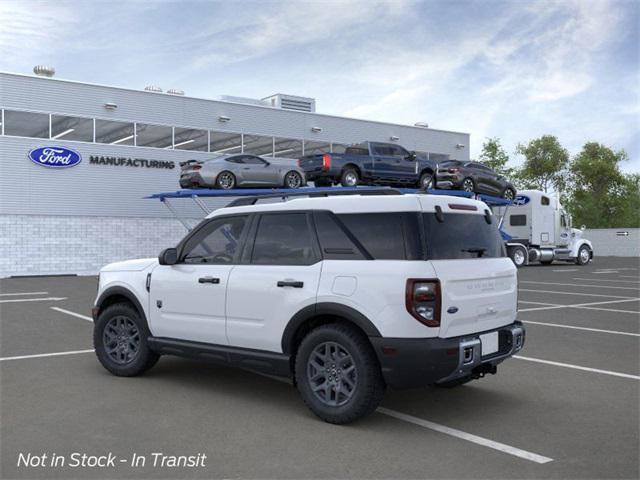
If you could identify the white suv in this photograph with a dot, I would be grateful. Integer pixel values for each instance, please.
(345, 294)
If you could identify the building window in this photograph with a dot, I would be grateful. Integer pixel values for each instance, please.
(71, 128)
(225, 143)
(258, 145)
(156, 136)
(114, 133)
(287, 148)
(191, 139)
(313, 148)
(26, 124)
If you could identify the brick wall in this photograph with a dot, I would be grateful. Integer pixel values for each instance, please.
(42, 245)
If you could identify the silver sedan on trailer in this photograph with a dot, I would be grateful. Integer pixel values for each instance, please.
(241, 170)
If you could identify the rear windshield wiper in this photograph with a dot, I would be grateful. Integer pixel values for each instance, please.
(479, 251)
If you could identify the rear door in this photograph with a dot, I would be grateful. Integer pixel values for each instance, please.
(278, 278)
(478, 282)
(383, 161)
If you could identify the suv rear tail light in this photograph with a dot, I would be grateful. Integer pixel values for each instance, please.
(326, 161)
(454, 170)
(422, 299)
(196, 167)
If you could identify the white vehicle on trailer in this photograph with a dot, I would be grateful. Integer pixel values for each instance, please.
(541, 231)
(347, 295)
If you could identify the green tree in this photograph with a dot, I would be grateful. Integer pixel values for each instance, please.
(494, 156)
(545, 164)
(600, 195)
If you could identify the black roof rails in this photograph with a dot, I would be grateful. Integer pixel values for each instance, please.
(244, 201)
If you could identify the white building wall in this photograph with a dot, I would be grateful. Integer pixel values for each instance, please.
(612, 242)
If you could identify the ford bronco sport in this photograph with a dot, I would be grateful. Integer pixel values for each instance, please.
(347, 295)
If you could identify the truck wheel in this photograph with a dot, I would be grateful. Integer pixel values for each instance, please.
(349, 178)
(338, 375)
(468, 185)
(426, 181)
(518, 256)
(120, 340)
(584, 255)
(226, 180)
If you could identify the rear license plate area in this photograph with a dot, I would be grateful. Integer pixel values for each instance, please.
(489, 343)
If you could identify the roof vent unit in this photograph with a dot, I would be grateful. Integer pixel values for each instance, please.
(44, 71)
(291, 102)
(153, 88)
(175, 91)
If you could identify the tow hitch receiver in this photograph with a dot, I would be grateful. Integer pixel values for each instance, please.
(484, 369)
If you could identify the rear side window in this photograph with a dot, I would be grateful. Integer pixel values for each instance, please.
(518, 220)
(461, 236)
(336, 242)
(357, 151)
(284, 239)
(385, 236)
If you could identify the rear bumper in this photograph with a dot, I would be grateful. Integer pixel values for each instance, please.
(190, 180)
(448, 181)
(419, 362)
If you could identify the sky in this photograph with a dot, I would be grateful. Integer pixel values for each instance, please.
(514, 70)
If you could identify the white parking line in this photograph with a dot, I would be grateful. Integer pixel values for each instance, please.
(73, 314)
(604, 280)
(574, 293)
(588, 306)
(566, 270)
(582, 285)
(633, 312)
(578, 367)
(48, 299)
(23, 293)
(485, 442)
(605, 272)
(582, 328)
(40, 355)
(628, 276)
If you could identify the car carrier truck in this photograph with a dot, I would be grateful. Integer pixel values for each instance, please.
(538, 229)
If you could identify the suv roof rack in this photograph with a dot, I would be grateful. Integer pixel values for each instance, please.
(315, 192)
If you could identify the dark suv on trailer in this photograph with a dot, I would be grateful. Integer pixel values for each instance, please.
(473, 177)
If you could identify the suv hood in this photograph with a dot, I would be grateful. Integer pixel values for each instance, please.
(130, 265)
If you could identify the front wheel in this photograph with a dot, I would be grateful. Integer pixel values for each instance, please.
(349, 178)
(426, 181)
(293, 179)
(584, 255)
(509, 194)
(338, 375)
(518, 256)
(120, 341)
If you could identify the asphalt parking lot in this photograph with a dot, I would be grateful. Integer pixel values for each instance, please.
(566, 408)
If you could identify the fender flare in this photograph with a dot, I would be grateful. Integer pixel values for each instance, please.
(329, 309)
(580, 243)
(124, 292)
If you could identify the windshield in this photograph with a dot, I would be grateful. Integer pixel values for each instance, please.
(461, 235)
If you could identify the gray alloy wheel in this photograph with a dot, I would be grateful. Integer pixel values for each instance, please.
(332, 374)
(349, 178)
(508, 194)
(583, 255)
(467, 185)
(426, 181)
(226, 181)
(121, 339)
(292, 180)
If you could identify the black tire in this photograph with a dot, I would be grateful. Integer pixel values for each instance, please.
(323, 182)
(293, 179)
(468, 185)
(368, 384)
(584, 255)
(143, 359)
(509, 194)
(455, 383)
(226, 180)
(518, 256)
(349, 177)
(546, 262)
(426, 181)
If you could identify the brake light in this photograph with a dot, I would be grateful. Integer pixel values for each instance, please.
(326, 161)
(298, 163)
(196, 167)
(461, 206)
(454, 170)
(423, 299)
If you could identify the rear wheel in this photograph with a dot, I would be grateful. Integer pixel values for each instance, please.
(426, 181)
(226, 180)
(584, 255)
(349, 178)
(509, 194)
(338, 375)
(468, 185)
(120, 341)
(293, 179)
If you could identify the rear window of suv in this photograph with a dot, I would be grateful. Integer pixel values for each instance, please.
(461, 236)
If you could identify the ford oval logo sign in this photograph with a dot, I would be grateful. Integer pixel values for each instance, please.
(55, 157)
(521, 200)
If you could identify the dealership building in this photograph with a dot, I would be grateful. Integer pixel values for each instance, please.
(127, 145)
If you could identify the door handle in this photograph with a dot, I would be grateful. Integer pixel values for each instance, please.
(290, 283)
(215, 281)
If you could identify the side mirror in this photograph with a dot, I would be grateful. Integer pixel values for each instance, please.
(583, 228)
(412, 156)
(169, 256)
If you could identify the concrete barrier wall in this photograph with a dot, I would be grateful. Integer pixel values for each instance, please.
(614, 242)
